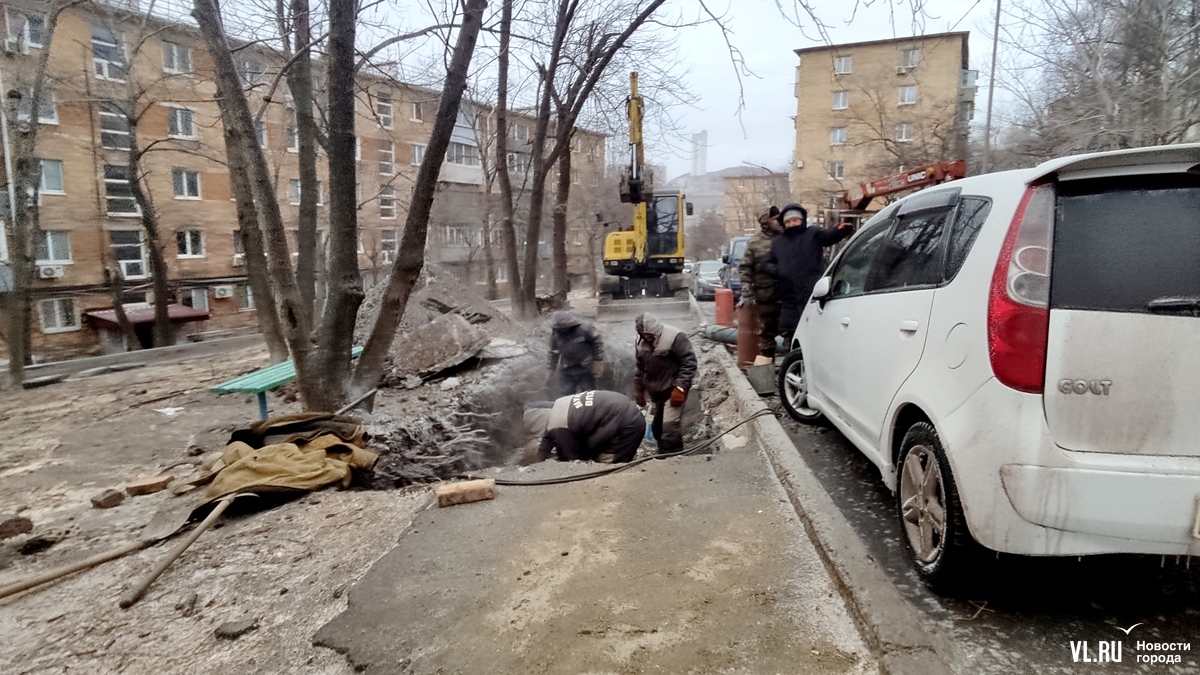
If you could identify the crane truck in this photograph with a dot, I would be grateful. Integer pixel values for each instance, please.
(644, 260)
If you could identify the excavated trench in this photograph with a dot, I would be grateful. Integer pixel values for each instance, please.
(478, 423)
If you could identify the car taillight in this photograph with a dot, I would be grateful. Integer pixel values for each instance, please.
(1019, 301)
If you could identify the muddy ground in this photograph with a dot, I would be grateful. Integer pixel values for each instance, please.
(287, 571)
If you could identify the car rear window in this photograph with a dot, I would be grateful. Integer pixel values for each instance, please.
(1127, 245)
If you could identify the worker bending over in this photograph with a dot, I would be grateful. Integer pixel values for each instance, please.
(666, 366)
(591, 426)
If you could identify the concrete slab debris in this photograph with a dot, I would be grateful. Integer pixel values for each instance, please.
(149, 485)
(232, 630)
(502, 348)
(447, 341)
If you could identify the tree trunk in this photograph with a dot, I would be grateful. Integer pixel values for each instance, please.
(561, 281)
(345, 294)
(252, 247)
(300, 81)
(489, 257)
(235, 112)
(507, 215)
(116, 289)
(411, 254)
(162, 333)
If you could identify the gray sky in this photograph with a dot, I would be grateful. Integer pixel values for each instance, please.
(765, 135)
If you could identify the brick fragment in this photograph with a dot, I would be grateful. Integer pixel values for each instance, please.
(147, 486)
(466, 492)
(107, 499)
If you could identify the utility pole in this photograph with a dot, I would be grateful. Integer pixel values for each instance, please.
(987, 125)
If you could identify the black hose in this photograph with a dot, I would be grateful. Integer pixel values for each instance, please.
(621, 467)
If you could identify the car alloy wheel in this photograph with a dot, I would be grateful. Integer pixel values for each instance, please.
(793, 389)
(923, 503)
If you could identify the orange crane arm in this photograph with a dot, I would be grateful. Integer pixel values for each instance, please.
(857, 198)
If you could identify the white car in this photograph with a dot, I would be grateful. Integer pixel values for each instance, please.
(1019, 355)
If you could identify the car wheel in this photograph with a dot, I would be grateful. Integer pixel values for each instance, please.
(793, 389)
(931, 516)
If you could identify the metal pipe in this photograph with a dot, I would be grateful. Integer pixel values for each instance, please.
(8, 171)
(987, 125)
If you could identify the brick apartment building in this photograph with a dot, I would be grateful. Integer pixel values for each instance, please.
(748, 194)
(108, 65)
(869, 109)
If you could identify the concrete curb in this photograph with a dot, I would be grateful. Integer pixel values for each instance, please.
(143, 356)
(903, 640)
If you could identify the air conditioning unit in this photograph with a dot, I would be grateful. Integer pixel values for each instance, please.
(222, 291)
(799, 164)
(50, 271)
(901, 70)
(239, 259)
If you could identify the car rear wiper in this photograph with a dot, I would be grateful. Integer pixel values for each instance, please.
(1189, 304)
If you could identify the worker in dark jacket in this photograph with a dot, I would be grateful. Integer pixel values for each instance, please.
(797, 256)
(591, 426)
(758, 282)
(576, 351)
(666, 366)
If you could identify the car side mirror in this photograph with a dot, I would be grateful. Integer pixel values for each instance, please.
(688, 208)
(821, 290)
(725, 259)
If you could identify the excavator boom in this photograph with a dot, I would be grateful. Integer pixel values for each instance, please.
(859, 197)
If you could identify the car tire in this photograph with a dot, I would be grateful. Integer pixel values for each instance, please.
(940, 546)
(793, 390)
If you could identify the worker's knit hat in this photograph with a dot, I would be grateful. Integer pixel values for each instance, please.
(793, 211)
(766, 217)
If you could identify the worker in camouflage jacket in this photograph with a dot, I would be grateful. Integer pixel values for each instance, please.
(576, 352)
(591, 426)
(666, 366)
(758, 281)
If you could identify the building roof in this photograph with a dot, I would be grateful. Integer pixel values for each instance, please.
(846, 45)
(143, 312)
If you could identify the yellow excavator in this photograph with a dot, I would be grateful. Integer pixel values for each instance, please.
(645, 259)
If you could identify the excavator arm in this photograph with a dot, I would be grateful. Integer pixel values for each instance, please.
(859, 197)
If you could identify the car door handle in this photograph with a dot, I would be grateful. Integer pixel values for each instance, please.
(909, 326)
(845, 321)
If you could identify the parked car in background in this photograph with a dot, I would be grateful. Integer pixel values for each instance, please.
(705, 279)
(1016, 353)
(732, 260)
(687, 265)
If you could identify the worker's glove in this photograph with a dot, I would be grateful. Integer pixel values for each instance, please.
(640, 398)
(678, 396)
(597, 369)
(845, 227)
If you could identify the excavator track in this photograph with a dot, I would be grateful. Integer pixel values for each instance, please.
(624, 299)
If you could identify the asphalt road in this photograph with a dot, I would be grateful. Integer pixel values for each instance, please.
(1021, 614)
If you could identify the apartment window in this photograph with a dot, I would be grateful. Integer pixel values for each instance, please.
(417, 113)
(196, 298)
(837, 136)
(909, 58)
(117, 193)
(837, 170)
(250, 71)
(52, 246)
(387, 245)
(461, 153)
(357, 149)
(456, 236)
(52, 177)
(841, 100)
(245, 297)
(387, 159)
(186, 182)
(293, 136)
(26, 30)
(239, 244)
(47, 107)
(908, 94)
(177, 58)
(521, 133)
(294, 191)
(189, 243)
(387, 202)
(418, 153)
(260, 132)
(320, 195)
(181, 123)
(383, 109)
(107, 55)
(58, 315)
(904, 132)
(841, 65)
(129, 251)
(114, 128)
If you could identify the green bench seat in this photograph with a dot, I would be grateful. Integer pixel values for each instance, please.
(263, 380)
